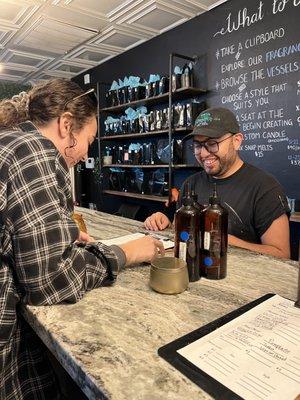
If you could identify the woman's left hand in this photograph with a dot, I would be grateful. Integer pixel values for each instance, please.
(85, 237)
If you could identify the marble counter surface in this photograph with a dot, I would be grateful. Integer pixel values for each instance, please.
(108, 341)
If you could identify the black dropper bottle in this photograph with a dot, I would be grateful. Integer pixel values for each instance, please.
(187, 234)
(214, 223)
(197, 205)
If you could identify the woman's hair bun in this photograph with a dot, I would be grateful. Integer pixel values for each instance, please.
(21, 101)
(14, 111)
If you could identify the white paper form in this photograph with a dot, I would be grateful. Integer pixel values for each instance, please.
(168, 244)
(256, 355)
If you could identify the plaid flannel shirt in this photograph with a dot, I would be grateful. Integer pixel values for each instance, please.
(40, 262)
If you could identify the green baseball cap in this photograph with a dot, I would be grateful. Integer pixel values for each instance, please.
(215, 122)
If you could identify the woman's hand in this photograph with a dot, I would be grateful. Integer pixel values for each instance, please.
(157, 222)
(145, 249)
(85, 237)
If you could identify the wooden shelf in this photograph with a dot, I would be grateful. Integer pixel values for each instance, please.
(176, 166)
(182, 166)
(145, 134)
(136, 166)
(177, 95)
(137, 195)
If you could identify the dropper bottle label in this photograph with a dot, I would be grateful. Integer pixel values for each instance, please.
(184, 237)
(206, 240)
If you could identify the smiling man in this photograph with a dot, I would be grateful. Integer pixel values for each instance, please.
(256, 203)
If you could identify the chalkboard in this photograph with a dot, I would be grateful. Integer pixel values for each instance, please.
(254, 69)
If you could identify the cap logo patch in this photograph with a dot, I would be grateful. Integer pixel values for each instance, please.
(204, 119)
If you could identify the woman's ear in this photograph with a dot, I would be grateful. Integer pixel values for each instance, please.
(65, 124)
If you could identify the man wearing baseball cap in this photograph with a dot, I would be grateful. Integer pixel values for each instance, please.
(254, 199)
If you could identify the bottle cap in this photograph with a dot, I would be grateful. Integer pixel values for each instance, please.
(187, 199)
(214, 199)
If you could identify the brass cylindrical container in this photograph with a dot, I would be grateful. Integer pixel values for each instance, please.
(169, 275)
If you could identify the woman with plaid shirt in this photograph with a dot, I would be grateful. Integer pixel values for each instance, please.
(44, 258)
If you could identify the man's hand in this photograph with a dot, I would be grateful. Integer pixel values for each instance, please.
(157, 222)
(145, 249)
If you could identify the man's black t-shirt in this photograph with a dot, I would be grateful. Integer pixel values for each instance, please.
(252, 197)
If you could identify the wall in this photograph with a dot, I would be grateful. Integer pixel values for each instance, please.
(250, 51)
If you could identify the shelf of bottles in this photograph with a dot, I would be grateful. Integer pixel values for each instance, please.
(163, 123)
(160, 199)
(178, 94)
(177, 166)
(146, 134)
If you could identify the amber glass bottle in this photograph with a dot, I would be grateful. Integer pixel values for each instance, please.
(187, 235)
(213, 253)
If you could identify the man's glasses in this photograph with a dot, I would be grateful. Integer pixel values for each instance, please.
(212, 146)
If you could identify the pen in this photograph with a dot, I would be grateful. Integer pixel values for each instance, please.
(157, 236)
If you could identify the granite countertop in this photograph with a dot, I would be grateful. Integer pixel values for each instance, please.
(108, 341)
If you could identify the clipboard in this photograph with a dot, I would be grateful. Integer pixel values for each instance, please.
(210, 385)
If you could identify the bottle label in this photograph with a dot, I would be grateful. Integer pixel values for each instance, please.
(206, 240)
(182, 251)
(215, 244)
(212, 241)
(126, 156)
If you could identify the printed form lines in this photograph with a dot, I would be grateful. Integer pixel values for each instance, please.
(225, 366)
(291, 331)
(295, 380)
(250, 390)
(223, 357)
(284, 337)
(260, 390)
(229, 342)
(217, 369)
(267, 365)
(260, 380)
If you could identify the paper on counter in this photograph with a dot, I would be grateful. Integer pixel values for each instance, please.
(257, 355)
(168, 244)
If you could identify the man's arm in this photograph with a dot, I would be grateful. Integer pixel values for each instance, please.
(275, 241)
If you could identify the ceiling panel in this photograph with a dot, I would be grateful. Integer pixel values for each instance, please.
(69, 67)
(40, 39)
(118, 39)
(91, 55)
(73, 69)
(10, 11)
(22, 58)
(53, 35)
(104, 7)
(156, 19)
(66, 14)
(11, 71)
(208, 3)
(17, 12)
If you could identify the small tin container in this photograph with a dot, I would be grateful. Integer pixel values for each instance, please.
(169, 275)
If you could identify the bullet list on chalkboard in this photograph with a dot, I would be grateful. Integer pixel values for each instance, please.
(256, 75)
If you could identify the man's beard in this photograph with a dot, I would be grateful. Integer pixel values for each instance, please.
(220, 165)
